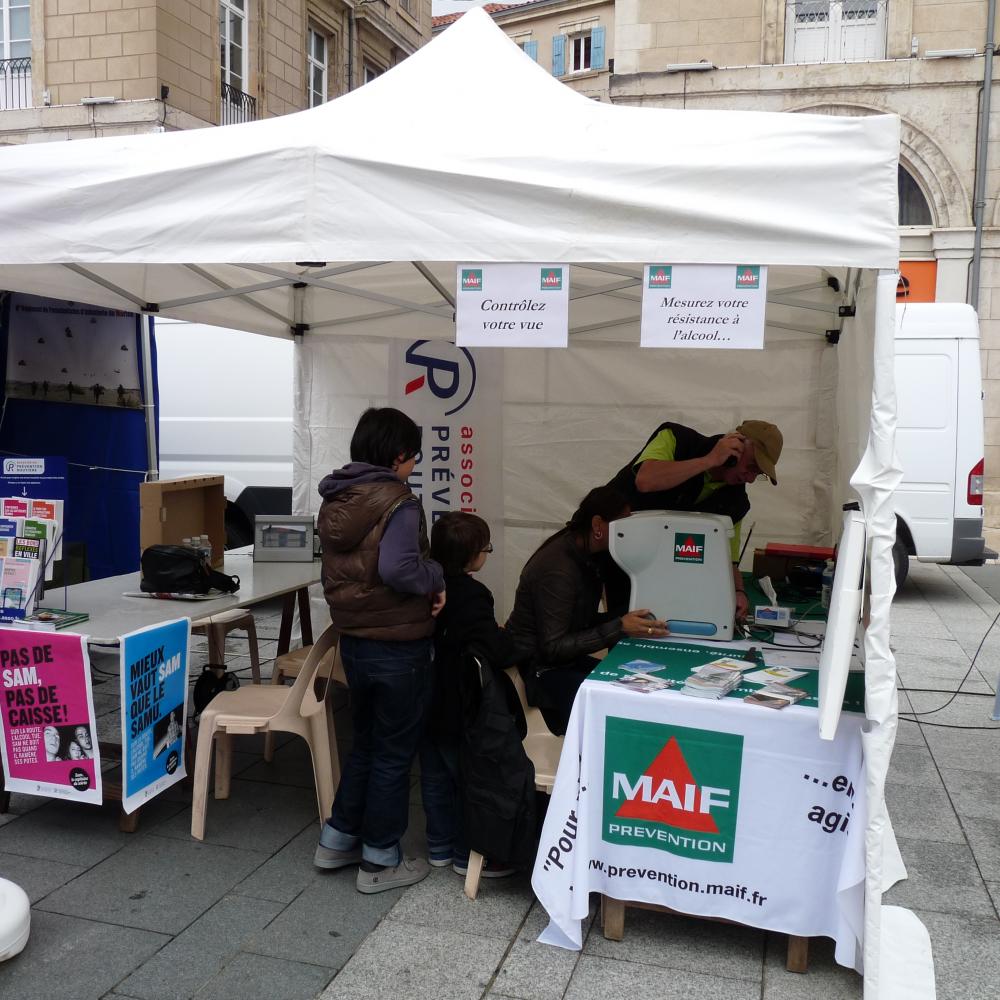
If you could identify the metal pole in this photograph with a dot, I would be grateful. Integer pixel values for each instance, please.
(982, 148)
(149, 398)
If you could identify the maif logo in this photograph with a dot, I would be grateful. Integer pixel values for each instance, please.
(660, 275)
(689, 548)
(472, 279)
(671, 788)
(449, 372)
(552, 278)
(747, 276)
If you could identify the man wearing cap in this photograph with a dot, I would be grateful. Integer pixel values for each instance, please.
(680, 469)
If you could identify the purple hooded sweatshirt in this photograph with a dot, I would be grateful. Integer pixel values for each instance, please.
(400, 564)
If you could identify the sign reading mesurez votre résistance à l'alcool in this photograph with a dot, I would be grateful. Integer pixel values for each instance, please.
(512, 305)
(718, 306)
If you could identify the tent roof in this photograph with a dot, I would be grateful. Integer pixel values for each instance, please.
(466, 151)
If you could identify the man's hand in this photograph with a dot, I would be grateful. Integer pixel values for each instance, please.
(643, 624)
(727, 447)
(742, 605)
(437, 603)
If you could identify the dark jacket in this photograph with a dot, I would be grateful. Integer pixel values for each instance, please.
(375, 591)
(467, 622)
(498, 779)
(556, 618)
(729, 500)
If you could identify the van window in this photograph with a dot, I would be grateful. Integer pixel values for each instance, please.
(925, 385)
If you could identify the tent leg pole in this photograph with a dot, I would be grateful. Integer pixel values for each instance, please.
(149, 398)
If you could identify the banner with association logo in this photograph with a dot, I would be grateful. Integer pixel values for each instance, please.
(48, 726)
(714, 808)
(456, 396)
(717, 306)
(154, 686)
(512, 305)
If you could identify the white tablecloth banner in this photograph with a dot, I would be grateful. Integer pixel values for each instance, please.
(719, 809)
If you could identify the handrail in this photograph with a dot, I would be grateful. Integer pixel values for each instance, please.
(237, 106)
(15, 83)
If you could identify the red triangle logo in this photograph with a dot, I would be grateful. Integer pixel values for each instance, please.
(670, 766)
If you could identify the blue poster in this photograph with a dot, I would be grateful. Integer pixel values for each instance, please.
(154, 674)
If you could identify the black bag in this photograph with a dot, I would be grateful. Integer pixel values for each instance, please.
(214, 678)
(179, 569)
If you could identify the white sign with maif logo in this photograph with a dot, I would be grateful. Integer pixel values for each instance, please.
(512, 305)
(703, 305)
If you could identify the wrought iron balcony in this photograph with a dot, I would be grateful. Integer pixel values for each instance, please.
(15, 83)
(236, 106)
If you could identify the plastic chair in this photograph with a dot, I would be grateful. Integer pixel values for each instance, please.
(289, 665)
(217, 627)
(268, 709)
(15, 919)
(543, 748)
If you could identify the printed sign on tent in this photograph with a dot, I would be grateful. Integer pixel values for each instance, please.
(49, 731)
(154, 672)
(512, 305)
(717, 306)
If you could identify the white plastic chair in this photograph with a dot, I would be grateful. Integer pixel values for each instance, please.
(267, 709)
(216, 627)
(543, 748)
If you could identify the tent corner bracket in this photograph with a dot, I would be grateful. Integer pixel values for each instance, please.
(833, 337)
(846, 312)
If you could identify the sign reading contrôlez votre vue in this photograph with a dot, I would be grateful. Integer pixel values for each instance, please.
(512, 305)
(718, 306)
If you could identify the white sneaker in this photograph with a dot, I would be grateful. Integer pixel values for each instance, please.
(408, 872)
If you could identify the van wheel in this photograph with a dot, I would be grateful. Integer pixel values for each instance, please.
(901, 561)
(238, 532)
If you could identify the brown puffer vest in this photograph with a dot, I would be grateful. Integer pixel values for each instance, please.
(350, 527)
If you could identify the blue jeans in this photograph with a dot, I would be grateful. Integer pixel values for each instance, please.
(439, 784)
(390, 690)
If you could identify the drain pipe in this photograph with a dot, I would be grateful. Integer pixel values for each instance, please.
(982, 144)
(350, 48)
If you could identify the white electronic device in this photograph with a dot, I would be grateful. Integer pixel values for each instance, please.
(680, 567)
(842, 623)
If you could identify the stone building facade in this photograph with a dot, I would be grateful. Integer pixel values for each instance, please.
(77, 68)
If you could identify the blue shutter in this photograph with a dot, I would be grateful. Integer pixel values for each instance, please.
(531, 50)
(558, 55)
(597, 48)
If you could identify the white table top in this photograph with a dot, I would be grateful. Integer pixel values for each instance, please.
(113, 615)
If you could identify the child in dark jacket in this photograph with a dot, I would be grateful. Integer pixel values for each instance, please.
(460, 543)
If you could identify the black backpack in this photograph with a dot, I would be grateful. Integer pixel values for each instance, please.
(214, 678)
(179, 569)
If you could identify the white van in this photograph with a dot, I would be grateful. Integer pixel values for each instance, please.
(226, 409)
(939, 436)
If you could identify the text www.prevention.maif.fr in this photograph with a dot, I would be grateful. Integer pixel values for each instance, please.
(730, 889)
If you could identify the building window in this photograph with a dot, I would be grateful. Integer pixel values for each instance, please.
(578, 53)
(371, 71)
(233, 42)
(834, 30)
(318, 63)
(15, 54)
(529, 48)
(408, 7)
(913, 207)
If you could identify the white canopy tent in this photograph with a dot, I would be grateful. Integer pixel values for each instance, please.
(341, 226)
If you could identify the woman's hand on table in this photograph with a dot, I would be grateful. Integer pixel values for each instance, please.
(643, 624)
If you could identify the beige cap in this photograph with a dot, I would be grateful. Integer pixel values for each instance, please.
(767, 441)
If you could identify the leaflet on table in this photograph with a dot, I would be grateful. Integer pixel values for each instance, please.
(775, 695)
(18, 583)
(51, 619)
(154, 673)
(770, 675)
(645, 684)
(49, 732)
(642, 667)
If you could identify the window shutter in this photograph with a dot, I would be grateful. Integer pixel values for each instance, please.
(531, 49)
(597, 48)
(558, 55)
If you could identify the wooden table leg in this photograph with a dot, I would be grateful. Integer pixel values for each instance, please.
(285, 632)
(797, 959)
(305, 617)
(612, 918)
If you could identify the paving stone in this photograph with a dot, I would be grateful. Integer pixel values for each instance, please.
(913, 766)
(596, 978)
(966, 954)
(917, 670)
(400, 960)
(155, 883)
(964, 710)
(984, 839)
(909, 734)
(439, 901)
(924, 814)
(326, 923)
(199, 953)
(274, 978)
(677, 942)
(942, 877)
(292, 766)
(993, 888)
(37, 876)
(825, 978)
(21, 805)
(533, 971)
(963, 749)
(285, 874)
(256, 816)
(973, 793)
(74, 959)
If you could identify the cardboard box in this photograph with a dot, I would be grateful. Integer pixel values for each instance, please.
(174, 509)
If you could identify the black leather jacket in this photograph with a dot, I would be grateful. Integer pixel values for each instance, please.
(556, 618)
